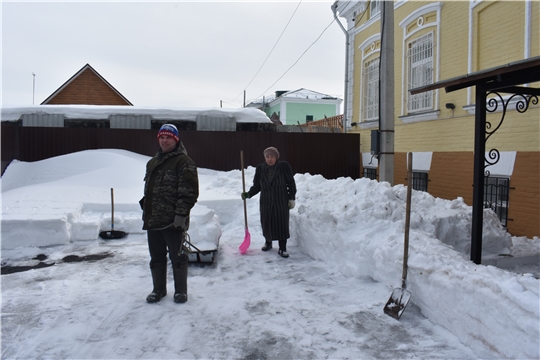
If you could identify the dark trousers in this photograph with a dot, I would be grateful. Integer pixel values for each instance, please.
(162, 241)
(282, 244)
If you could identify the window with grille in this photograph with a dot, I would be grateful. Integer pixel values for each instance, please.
(496, 191)
(309, 118)
(371, 90)
(370, 173)
(375, 8)
(420, 63)
(420, 181)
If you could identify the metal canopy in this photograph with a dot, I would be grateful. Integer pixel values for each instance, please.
(516, 73)
(489, 83)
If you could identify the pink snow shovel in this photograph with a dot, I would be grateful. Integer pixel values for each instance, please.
(247, 238)
(400, 296)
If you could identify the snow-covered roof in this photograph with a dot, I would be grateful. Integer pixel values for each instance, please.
(307, 94)
(94, 112)
(301, 94)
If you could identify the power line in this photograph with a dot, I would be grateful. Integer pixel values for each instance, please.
(265, 60)
(305, 51)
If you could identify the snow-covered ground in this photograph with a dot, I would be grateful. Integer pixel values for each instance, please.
(325, 301)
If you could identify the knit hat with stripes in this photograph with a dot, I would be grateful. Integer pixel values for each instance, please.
(169, 130)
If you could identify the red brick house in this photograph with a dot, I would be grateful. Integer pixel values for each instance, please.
(86, 87)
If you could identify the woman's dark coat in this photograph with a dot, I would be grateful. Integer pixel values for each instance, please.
(276, 185)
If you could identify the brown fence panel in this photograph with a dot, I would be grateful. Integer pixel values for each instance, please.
(330, 155)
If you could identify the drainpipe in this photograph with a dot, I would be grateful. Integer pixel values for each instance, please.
(345, 97)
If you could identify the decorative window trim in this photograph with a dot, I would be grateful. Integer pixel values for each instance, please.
(370, 85)
(369, 124)
(420, 70)
(436, 24)
(436, 6)
(375, 8)
(369, 161)
(369, 51)
(420, 117)
(422, 161)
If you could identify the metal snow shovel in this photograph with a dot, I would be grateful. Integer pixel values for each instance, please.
(112, 234)
(400, 296)
(247, 238)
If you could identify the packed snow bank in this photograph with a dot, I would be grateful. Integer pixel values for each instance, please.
(364, 236)
(58, 201)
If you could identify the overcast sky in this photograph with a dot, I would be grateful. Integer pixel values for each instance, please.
(181, 54)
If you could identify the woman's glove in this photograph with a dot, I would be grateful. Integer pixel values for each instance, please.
(291, 204)
(245, 196)
(180, 222)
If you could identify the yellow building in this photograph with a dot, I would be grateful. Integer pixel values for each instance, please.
(435, 41)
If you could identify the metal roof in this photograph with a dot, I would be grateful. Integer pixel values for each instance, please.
(502, 78)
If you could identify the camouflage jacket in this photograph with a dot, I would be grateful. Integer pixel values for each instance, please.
(171, 188)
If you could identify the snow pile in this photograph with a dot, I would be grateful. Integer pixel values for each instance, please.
(62, 200)
(363, 236)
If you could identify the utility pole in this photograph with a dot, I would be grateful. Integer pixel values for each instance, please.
(33, 87)
(345, 97)
(386, 94)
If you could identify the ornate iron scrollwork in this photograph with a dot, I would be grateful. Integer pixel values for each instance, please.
(521, 102)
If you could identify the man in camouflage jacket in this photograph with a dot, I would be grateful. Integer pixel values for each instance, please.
(171, 189)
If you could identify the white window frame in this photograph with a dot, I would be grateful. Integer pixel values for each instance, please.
(371, 89)
(420, 63)
(412, 25)
(375, 8)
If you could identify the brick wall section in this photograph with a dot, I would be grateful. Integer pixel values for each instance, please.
(524, 201)
(451, 175)
(400, 168)
(87, 89)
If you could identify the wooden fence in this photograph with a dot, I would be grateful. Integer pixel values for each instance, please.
(331, 155)
(327, 125)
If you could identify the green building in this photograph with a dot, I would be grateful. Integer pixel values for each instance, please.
(299, 106)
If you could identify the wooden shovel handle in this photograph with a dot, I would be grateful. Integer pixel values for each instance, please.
(112, 209)
(407, 216)
(243, 186)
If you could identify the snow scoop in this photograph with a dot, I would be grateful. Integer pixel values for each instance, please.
(112, 234)
(247, 238)
(400, 296)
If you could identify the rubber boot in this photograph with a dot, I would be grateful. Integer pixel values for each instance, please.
(159, 278)
(180, 272)
(283, 249)
(267, 246)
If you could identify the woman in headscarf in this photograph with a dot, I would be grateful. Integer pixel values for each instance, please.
(274, 179)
